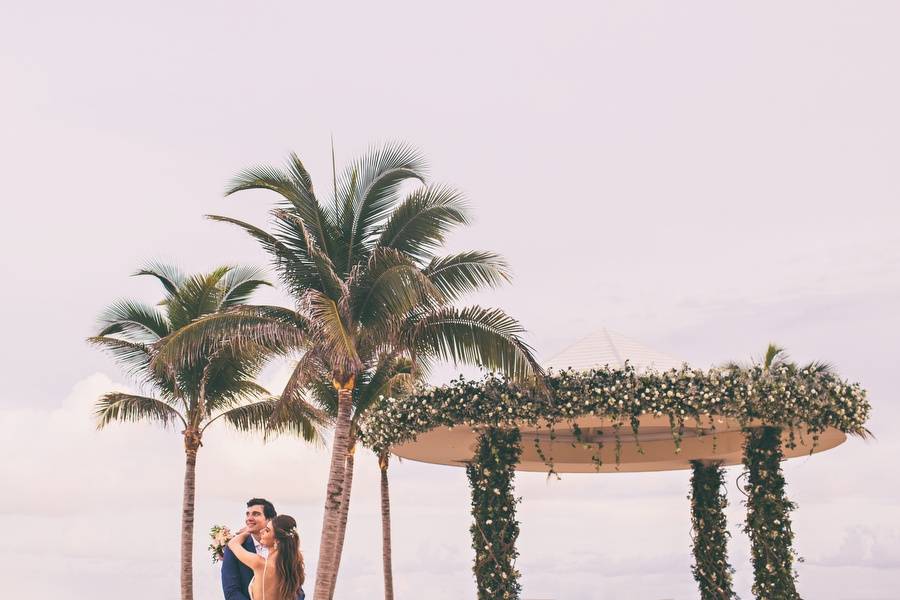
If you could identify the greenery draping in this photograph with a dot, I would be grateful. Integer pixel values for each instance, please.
(709, 532)
(768, 522)
(495, 528)
(764, 400)
(798, 400)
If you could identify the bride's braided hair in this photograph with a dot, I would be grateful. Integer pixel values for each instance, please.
(290, 567)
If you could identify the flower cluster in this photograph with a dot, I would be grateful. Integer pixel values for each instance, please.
(709, 528)
(784, 396)
(768, 522)
(219, 534)
(495, 528)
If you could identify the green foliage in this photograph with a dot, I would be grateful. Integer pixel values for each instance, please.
(219, 384)
(495, 528)
(709, 525)
(768, 522)
(805, 400)
(366, 280)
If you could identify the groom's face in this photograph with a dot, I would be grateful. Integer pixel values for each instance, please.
(256, 518)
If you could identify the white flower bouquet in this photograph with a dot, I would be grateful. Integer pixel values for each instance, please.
(219, 534)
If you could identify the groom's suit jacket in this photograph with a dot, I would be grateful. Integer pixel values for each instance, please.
(236, 575)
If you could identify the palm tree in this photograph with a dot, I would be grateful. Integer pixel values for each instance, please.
(217, 386)
(368, 287)
(390, 378)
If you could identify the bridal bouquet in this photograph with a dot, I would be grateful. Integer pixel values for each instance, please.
(219, 534)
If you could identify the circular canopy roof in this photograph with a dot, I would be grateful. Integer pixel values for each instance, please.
(653, 450)
(656, 452)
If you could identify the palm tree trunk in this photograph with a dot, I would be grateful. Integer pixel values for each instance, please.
(386, 528)
(326, 570)
(191, 445)
(345, 510)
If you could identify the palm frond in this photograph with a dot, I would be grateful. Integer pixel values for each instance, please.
(390, 285)
(466, 272)
(369, 187)
(271, 417)
(418, 226)
(169, 276)
(295, 186)
(135, 356)
(328, 280)
(240, 283)
(391, 377)
(308, 369)
(269, 242)
(117, 406)
(134, 320)
(333, 333)
(819, 367)
(277, 330)
(774, 356)
(486, 337)
(199, 295)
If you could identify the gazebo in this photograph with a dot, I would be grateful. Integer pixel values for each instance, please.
(611, 404)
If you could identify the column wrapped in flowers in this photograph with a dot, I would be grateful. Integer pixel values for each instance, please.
(495, 528)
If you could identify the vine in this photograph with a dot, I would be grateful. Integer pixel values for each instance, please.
(495, 528)
(768, 522)
(709, 526)
(797, 400)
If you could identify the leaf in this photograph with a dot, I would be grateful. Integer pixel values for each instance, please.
(486, 337)
(465, 272)
(168, 275)
(121, 407)
(390, 286)
(418, 226)
(295, 186)
(276, 330)
(369, 189)
(270, 418)
(134, 320)
(240, 283)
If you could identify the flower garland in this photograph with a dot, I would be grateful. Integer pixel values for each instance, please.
(768, 522)
(764, 401)
(495, 528)
(711, 568)
(784, 396)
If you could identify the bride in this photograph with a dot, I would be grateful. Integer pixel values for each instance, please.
(283, 579)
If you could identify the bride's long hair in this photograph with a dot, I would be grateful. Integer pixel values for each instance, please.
(290, 560)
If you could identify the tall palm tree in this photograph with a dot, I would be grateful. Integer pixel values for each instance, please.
(368, 287)
(390, 378)
(217, 386)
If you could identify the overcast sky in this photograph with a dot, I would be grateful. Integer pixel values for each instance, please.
(705, 177)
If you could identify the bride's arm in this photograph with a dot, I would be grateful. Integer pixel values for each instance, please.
(251, 559)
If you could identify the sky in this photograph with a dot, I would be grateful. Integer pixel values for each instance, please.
(704, 177)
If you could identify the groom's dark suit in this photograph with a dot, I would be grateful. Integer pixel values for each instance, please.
(236, 575)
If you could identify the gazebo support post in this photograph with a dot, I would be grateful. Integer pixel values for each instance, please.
(768, 522)
(495, 528)
(709, 527)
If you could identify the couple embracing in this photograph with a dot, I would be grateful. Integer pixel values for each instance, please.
(263, 561)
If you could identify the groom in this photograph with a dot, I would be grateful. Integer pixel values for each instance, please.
(235, 575)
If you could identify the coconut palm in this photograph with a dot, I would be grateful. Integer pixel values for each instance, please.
(391, 378)
(368, 287)
(218, 386)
